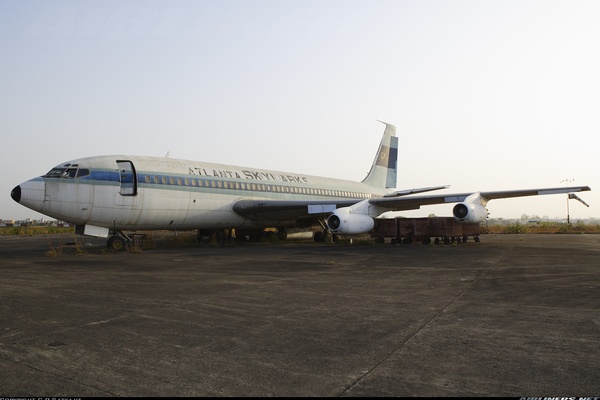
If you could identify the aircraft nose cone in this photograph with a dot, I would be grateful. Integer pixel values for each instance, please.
(30, 194)
(16, 194)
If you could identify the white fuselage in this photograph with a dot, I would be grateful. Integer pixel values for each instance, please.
(145, 193)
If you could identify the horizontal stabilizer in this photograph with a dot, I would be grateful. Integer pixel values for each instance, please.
(416, 190)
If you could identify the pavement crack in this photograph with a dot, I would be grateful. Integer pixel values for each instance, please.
(426, 324)
(58, 376)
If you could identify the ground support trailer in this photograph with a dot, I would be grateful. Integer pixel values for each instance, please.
(424, 230)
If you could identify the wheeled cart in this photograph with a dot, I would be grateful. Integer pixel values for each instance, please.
(424, 230)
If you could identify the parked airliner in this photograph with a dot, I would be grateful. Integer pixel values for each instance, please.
(105, 196)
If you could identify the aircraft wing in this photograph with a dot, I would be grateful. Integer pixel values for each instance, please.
(415, 202)
(283, 210)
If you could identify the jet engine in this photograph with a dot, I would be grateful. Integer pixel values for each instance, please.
(469, 212)
(345, 222)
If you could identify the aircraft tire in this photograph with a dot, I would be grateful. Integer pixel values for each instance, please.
(282, 234)
(116, 243)
(319, 237)
(270, 236)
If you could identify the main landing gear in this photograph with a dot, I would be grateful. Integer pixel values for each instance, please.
(325, 234)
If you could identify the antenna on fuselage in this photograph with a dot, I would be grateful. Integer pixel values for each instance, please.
(168, 154)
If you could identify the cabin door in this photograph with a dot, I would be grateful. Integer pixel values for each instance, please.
(128, 200)
(128, 178)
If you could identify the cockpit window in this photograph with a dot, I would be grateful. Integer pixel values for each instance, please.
(67, 171)
(71, 173)
(56, 173)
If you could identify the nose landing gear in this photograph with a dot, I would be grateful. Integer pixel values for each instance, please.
(120, 241)
(117, 242)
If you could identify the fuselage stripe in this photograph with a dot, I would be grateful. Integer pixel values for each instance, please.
(188, 183)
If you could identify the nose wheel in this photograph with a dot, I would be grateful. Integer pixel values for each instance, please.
(119, 241)
(116, 242)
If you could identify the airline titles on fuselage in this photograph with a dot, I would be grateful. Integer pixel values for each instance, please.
(247, 174)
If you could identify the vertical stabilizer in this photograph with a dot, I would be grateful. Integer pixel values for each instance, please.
(383, 172)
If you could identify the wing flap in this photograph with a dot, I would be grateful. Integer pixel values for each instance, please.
(284, 210)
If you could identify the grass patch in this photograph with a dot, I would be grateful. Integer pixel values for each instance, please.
(543, 227)
(33, 230)
(55, 250)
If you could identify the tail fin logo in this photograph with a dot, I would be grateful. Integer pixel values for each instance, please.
(383, 159)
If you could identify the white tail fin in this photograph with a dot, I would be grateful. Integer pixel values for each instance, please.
(383, 172)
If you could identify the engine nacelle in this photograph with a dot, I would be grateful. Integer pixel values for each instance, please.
(345, 222)
(469, 212)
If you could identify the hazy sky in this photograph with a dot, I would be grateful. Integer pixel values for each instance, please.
(485, 95)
